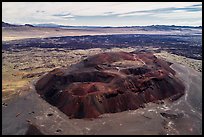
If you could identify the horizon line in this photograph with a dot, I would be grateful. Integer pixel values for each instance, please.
(104, 25)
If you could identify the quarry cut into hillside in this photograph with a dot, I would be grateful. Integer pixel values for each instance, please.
(110, 82)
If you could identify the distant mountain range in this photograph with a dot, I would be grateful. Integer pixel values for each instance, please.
(8, 25)
(51, 25)
(152, 26)
(4, 24)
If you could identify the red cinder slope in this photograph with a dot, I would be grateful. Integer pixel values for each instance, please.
(109, 83)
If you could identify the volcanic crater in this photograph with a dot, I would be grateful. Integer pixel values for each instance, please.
(108, 83)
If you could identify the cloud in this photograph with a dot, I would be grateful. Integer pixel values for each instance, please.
(40, 11)
(64, 15)
(85, 13)
(197, 5)
(162, 11)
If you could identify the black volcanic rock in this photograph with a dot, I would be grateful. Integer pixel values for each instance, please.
(109, 83)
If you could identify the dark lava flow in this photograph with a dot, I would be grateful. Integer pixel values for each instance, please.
(109, 83)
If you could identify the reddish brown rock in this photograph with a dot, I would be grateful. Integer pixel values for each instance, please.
(109, 83)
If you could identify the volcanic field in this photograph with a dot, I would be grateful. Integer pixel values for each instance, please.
(108, 83)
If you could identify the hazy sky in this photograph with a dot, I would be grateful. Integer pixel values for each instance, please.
(104, 13)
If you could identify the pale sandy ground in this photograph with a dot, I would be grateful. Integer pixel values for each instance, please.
(30, 108)
(27, 32)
